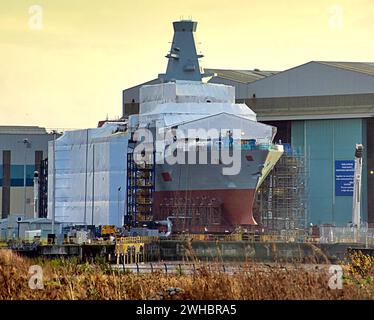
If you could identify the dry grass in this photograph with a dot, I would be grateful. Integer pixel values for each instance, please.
(70, 280)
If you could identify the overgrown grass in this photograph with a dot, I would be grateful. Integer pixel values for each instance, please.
(68, 279)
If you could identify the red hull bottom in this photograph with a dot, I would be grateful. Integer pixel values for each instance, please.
(205, 210)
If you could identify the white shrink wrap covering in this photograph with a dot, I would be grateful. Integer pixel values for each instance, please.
(183, 112)
(161, 93)
(249, 129)
(205, 92)
(184, 92)
(109, 149)
(174, 103)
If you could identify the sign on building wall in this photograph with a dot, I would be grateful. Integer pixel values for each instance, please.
(344, 176)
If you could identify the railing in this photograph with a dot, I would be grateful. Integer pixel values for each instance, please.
(240, 237)
(330, 234)
(23, 246)
(192, 268)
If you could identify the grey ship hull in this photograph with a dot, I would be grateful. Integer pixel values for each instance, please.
(181, 188)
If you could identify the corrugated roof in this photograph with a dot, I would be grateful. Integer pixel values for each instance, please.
(319, 107)
(244, 76)
(22, 130)
(361, 67)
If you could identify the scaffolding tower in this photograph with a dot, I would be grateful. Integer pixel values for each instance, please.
(281, 201)
(140, 189)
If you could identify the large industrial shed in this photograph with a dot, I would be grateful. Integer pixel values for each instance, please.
(22, 148)
(322, 109)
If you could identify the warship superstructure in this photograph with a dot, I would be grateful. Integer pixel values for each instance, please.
(207, 156)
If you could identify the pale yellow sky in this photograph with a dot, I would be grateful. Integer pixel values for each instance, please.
(68, 69)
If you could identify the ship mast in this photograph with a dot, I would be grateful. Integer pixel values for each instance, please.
(183, 60)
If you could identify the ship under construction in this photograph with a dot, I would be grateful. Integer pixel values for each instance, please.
(192, 158)
(196, 196)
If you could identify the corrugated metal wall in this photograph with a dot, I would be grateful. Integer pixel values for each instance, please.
(323, 142)
(12, 160)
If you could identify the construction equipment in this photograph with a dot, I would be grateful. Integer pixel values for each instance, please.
(356, 212)
(106, 231)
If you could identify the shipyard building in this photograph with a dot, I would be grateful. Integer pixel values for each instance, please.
(321, 110)
(22, 151)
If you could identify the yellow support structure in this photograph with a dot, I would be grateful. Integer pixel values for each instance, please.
(131, 249)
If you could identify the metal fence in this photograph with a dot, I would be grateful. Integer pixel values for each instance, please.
(331, 234)
(191, 268)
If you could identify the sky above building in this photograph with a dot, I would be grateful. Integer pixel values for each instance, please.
(64, 63)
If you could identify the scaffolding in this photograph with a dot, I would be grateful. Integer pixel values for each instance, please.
(281, 201)
(43, 189)
(140, 189)
(193, 214)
